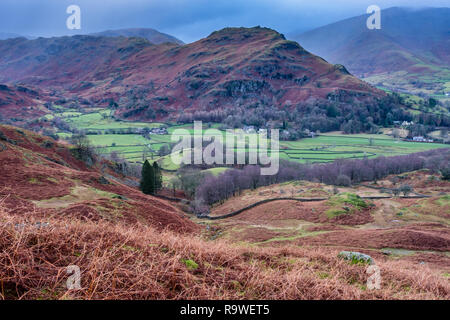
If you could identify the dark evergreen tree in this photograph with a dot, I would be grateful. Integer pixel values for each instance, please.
(158, 176)
(147, 185)
(432, 102)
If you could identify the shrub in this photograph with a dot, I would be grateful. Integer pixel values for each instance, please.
(339, 204)
(405, 189)
(199, 207)
(343, 180)
(83, 150)
(445, 172)
(190, 264)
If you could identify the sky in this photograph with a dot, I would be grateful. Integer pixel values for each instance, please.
(188, 20)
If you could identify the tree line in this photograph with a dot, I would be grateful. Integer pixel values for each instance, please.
(212, 189)
(337, 112)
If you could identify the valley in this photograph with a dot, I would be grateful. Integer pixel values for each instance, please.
(55, 210)
(339, 170)
(128, 140)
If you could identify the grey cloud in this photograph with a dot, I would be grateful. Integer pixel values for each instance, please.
(188, 20)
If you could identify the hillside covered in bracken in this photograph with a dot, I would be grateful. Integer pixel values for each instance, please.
(125, 262)
(46, 178)
(20, 102)
(57, 211)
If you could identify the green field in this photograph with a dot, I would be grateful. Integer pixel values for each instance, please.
(434, 82)
(330, 147)
(324, 148)
(97, 120)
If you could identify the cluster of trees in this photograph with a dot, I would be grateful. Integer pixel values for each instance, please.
(445, 173)
(165, 150)
(60, 124)
(151, 178)
(51, 134)
(149, 110)
(341, 172)
(83, 149)
(188, 179)
(205, 116)
(338, 112)
(122, 166)
(405, 189)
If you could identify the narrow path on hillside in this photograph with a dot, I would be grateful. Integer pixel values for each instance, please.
(235, 213)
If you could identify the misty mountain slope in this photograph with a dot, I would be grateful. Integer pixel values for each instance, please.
(61, 60)
(151, 35)
(410, 52)
(6, 35)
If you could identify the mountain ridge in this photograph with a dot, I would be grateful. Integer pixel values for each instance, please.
(233, 66)
(152, 35)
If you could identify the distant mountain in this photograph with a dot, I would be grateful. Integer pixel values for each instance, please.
(5, 35)
(151, 35)
(411, 51)
(235, 67)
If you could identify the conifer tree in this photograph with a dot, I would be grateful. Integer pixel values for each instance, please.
(158, 176)
(147, 185)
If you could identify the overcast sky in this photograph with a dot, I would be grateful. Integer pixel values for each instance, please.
(188, 20)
